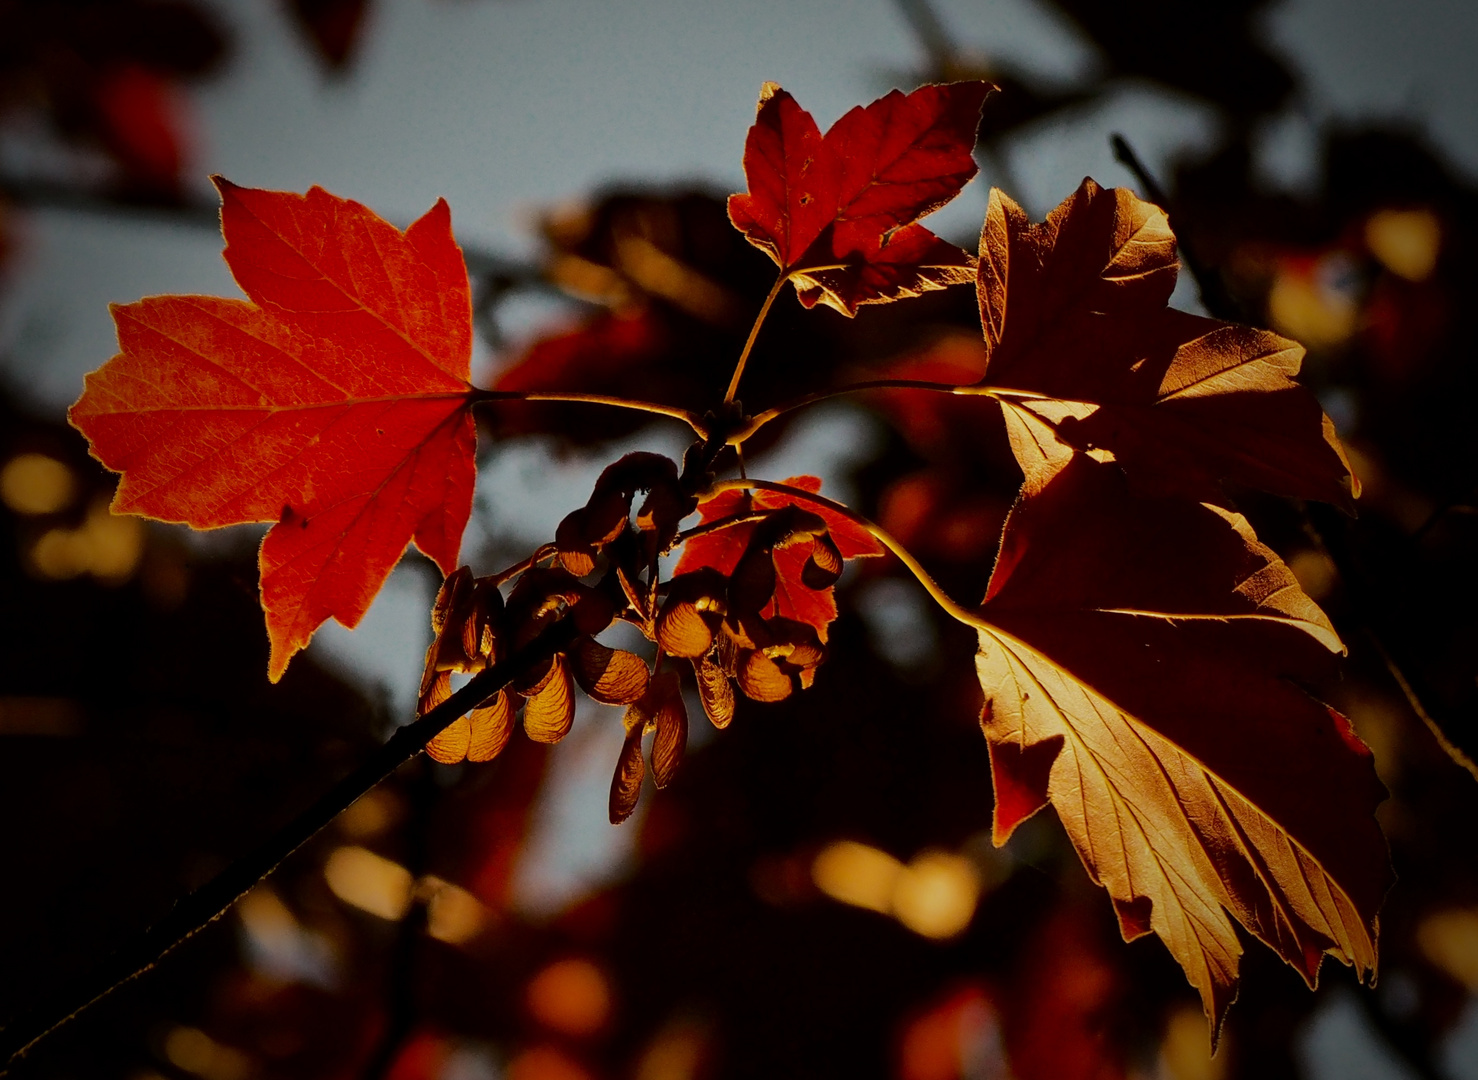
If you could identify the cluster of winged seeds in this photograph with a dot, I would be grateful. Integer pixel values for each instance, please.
(747, 606)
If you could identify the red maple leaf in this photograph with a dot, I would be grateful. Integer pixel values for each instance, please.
(793, 599)
(837, 212)
(334, 402)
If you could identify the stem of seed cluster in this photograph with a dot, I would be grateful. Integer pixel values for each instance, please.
(687, 417)
(754, 332)
(544, 551)
(951, 607)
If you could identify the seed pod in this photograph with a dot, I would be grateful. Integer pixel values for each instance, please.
(447, 652)
(715, 691)
(824, 566)
(436, 687)
(609, 676)
(762, 679)
(626, 783)
(551, 706)
(491, 726)
(691, 614)
(670, 718)
(451, 742)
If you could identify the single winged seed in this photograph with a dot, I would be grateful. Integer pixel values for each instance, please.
(753, 580)
(824, 566)
(438, 690)
(480, 633)
(536, 678)
(682, 630)
(715, 691)
(491, 727)
(428, 676)
(609, 676)
(626, 784)
(762, 679)
(451, 743)
(671, 720)
(577, 561)
(455, 588)
(632, 589)
(576, 554)
(551, 710)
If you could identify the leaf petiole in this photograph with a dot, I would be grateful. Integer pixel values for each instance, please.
(478, 397)
(754, 332)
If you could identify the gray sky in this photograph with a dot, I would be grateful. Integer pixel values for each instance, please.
(505, 106)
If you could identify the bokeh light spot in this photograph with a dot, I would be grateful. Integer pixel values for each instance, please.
(36, 484)
(570, 996)
(369, 882)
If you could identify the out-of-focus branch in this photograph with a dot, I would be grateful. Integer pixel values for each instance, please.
(212, 900)
(1328, 529)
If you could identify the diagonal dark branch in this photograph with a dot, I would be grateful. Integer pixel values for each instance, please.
(214, 899)
(1214, 295)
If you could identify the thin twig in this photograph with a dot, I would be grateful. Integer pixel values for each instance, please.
(759, 420)
(690, 418)
(715, 526)
(212, 900)
(1214, 295)
(951, 607)
(544, 551)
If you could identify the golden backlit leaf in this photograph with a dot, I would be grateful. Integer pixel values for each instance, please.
(1138, 670)
(1075, 317)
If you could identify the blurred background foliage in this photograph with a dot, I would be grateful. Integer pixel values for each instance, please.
(816, 894)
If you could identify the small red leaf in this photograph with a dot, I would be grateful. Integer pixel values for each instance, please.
(723, 549)
(837, 211)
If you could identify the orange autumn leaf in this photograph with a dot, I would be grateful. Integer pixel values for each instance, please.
(334, 402)
(793, 599)
(1140, 662)
(1074, 314)
(847, 203)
